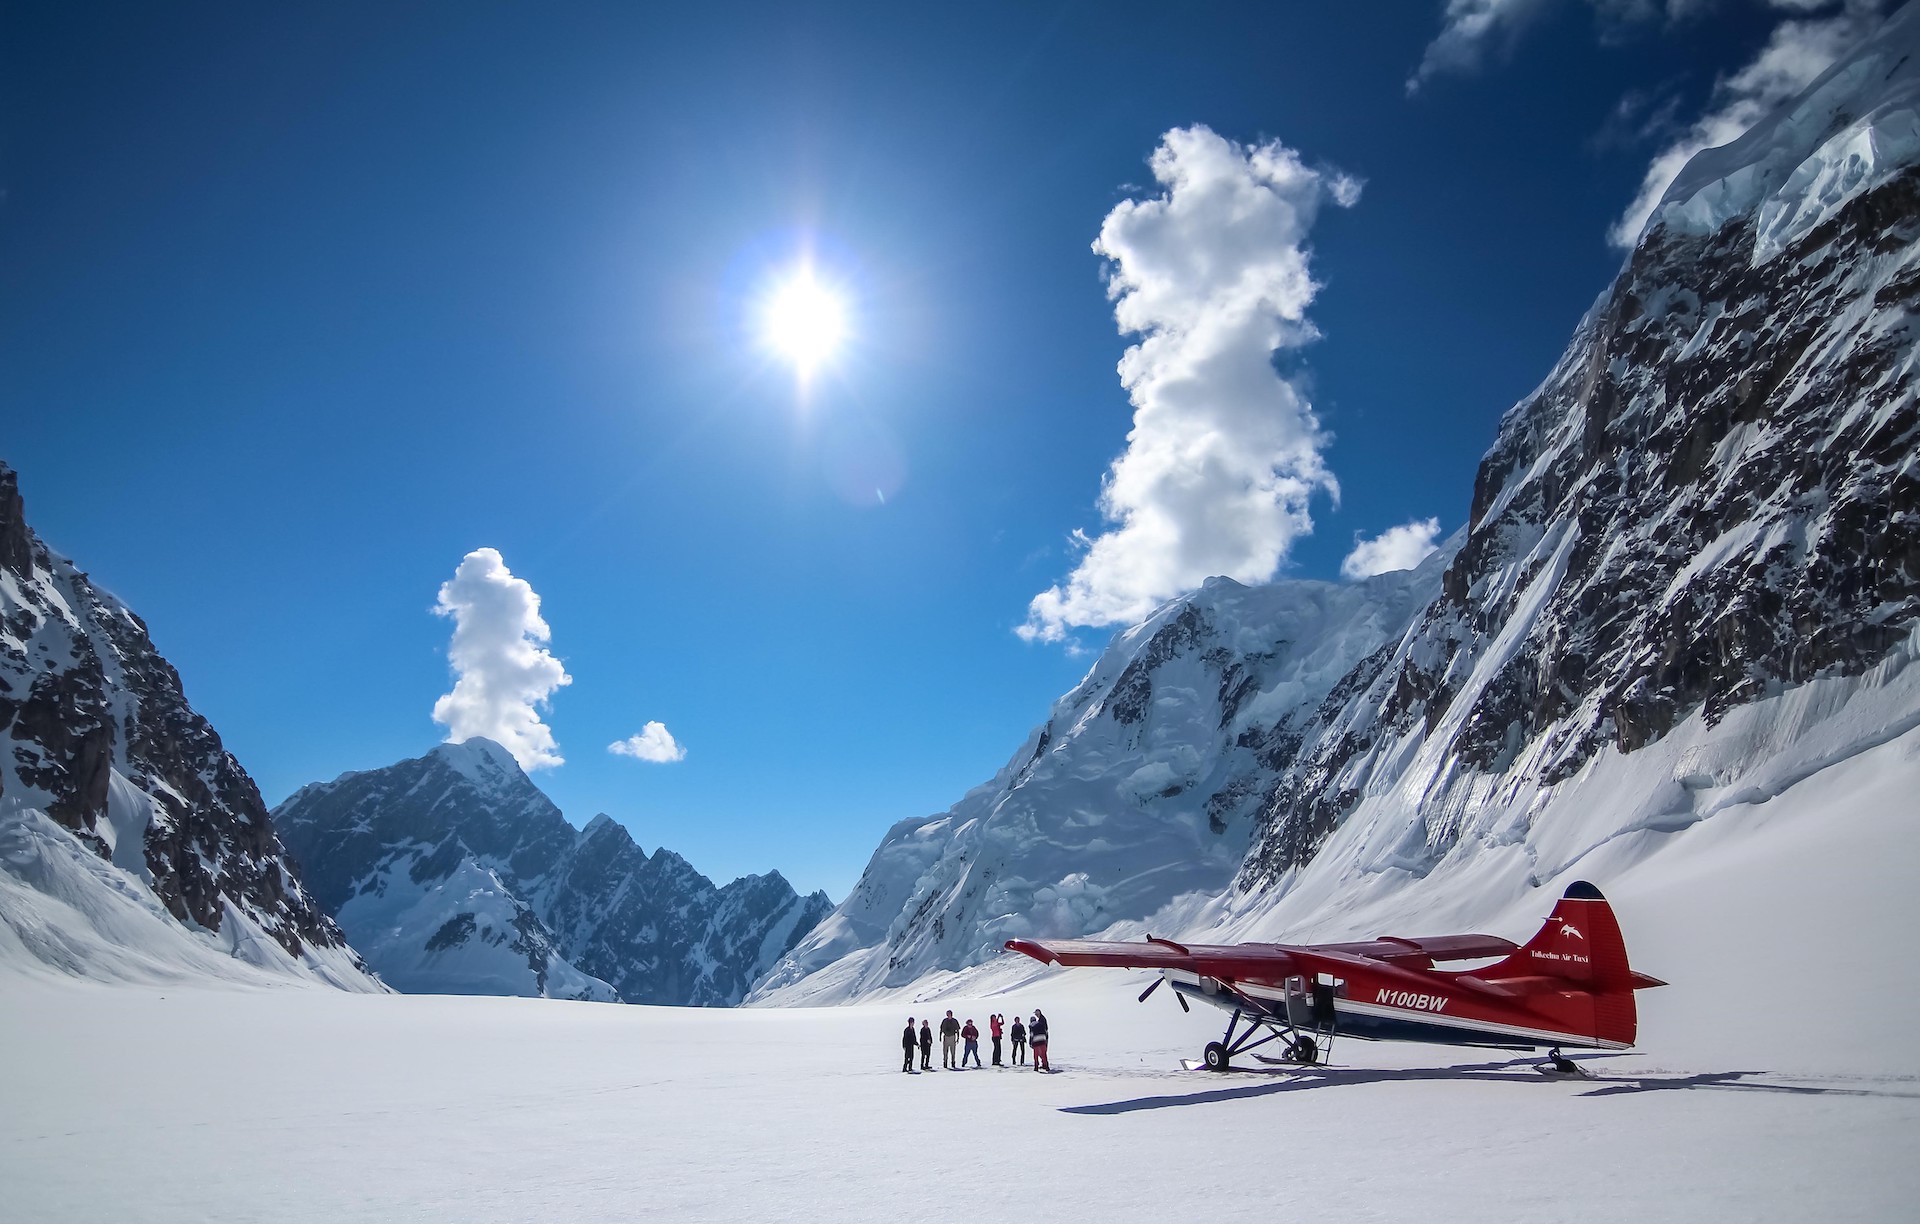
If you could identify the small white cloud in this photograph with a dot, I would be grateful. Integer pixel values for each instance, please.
(1466, 30)
(1225, 453)
(1796, 52)
(1396, 548)
(503, 674)
(1473, 31)
(654, 743)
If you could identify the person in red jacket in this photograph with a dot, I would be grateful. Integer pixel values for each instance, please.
(971, 1036)
(996, 1024)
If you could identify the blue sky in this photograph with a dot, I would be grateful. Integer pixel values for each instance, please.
(298, 309)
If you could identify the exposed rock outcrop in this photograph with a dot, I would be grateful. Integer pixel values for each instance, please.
(96, 732)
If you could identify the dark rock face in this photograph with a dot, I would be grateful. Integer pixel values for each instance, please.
(85, 698)
(650, 926)
(1712, 497)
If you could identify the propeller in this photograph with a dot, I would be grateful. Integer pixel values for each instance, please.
(1177, 996)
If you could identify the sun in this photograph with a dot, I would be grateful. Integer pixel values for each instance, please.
(804, 320)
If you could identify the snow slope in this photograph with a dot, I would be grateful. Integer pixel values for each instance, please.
(67, 913)
(462, 933)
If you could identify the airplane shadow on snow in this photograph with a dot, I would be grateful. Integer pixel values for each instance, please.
(1514, 1071)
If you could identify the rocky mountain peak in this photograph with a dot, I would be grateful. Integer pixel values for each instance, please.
(398, 855)
(16, 541)
(97, 733)
(603, 825)
(482, 762)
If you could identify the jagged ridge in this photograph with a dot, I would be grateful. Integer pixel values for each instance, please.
(455, 873)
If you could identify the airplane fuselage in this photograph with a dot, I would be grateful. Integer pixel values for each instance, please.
(1382, 1011)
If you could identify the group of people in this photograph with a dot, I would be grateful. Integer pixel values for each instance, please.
(952, 1033)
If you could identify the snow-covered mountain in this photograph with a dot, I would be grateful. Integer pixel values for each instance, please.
(132, 844)
(1143, 786)
(454, 874)
(1689, 580)
(1692, 569)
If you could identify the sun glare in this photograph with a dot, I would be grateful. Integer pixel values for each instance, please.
(805, 321)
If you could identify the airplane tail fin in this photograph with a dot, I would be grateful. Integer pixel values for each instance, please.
(1579, 943)
(1580, 948)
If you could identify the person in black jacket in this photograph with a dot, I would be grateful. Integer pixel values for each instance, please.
(926, 1046)
(908, 1040)
(1038, 1029)
(1019, 1041)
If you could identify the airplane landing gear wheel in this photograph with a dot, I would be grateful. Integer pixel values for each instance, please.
(1302, 1050)
(1216, 1058)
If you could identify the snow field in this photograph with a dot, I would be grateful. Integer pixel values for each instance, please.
(300, 1104)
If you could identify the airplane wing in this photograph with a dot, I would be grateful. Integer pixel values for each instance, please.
(1430, 948)
(1155, 953)
(1111, 954)
(1392, 959)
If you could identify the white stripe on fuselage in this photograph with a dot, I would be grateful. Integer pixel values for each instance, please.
(1225, 1001)
(1480, 1026)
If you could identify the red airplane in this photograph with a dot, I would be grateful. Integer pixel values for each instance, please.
(1567, 987)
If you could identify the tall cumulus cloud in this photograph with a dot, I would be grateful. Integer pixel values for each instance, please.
(1224, 453)
(503, 673)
